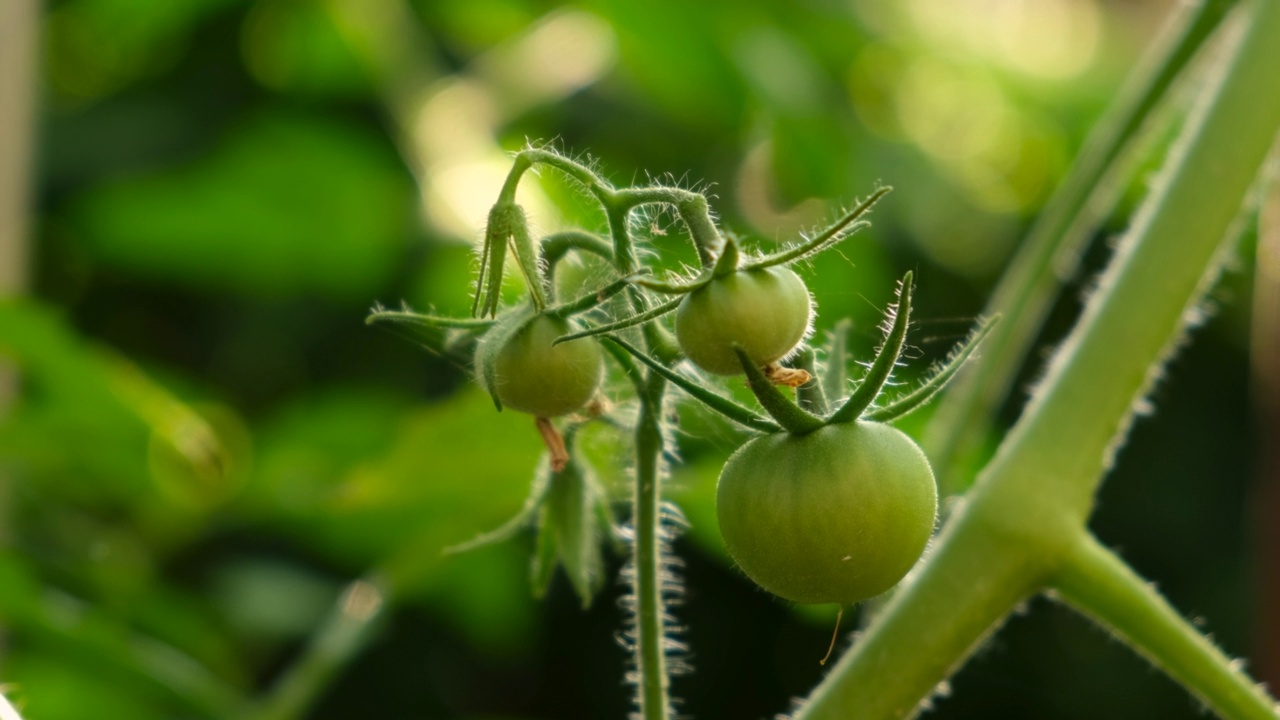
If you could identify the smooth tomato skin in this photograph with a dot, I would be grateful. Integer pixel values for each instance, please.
(532, 376)
(765, 311)
(838, 515)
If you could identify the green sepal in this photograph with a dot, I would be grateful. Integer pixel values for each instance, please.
(623, 324)
(715, 401)
(675, 288)
(526, 253)
(408, 317)
(507, 226)
(884, 362)
(504, 328)
(523, 518)
(592, 299)
(790, 416)
(569, 534)
(923, 394)
(727, 263)
(836, 233)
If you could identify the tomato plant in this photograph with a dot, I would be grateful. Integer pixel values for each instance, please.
(828, 483)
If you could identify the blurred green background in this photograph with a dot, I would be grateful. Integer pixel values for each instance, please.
(208, 445)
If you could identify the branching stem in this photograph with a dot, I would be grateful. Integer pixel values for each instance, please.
(1102, 586)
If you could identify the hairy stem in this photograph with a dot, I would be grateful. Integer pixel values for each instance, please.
(650, 656)
(1049, 254)
(1101, 586)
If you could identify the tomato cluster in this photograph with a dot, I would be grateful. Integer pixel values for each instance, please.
(825, 507)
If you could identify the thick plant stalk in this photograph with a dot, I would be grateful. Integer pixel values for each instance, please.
(1100, 585)
(1049, 254)
(1028, 509)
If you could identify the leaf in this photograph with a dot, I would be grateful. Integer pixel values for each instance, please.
(522, 519)
(569, 531)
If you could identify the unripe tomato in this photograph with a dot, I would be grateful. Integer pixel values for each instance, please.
(765, 311)
(834, 516)
(532, 376)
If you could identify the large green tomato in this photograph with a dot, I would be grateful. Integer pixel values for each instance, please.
(766, 312)
(532, 376)
(834, 516)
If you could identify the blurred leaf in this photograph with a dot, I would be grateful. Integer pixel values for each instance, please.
(448, 470)
(293, 46)
(676, 52)
(96, 47)
(74, 391)
(287, 205)
(89, 647)
(49, 688)
(372, 482)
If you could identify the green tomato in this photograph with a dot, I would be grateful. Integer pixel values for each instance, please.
(766, 312)
(834, 516)
(533, 376)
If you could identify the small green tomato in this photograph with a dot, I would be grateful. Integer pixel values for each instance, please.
(533, 376)
(837, 515)
(765, 311)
